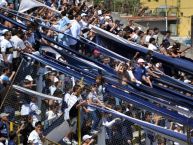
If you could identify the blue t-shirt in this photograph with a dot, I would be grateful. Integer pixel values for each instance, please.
(5, 78)
(4, 131)
(11, 142)
(63, 22)
(139, 72)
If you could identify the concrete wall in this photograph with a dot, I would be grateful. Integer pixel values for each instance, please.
(185, 11)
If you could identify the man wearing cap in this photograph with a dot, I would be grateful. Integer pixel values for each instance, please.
(84, 21)
(28, 82)
(4, 127)
(87, 140)
(140, 72)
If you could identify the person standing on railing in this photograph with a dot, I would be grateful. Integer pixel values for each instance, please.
(73, 102)
(75, 31)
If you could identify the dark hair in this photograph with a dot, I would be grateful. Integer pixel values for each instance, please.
(155, 29)
(58, 93)
(14, 31)
(75, 88)
(168, 32)
(165, 43)
(151, 40)
(5, 69)
(64, 12)
(38, 123)
(177, 45)
(148, 30)
(20, 34)
(140, 32)
(118, 108)
(100, 77)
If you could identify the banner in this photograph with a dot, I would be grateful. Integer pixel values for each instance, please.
(26, 5)
(128, 46)
(34, 93)
(169, 134)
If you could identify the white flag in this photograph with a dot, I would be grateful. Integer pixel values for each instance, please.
(29, 4)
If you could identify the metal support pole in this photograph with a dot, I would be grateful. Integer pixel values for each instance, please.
(188, 135)
(79, 127)
(166, 14)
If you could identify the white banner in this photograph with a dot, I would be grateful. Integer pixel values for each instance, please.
(29, 4)
(34, 93)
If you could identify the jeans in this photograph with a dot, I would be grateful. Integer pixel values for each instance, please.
(96, 120)
(118, 101)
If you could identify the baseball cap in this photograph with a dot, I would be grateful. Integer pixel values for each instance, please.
(29, 78)
(4, 31)
(100, 12)
(187, 81)
(96, 51)
(83, 14)
(3, 115)
(140, 60)
(107, 17)
(3, 3)
(85, 137)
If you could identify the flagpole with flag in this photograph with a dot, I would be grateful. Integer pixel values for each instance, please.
(26, 5)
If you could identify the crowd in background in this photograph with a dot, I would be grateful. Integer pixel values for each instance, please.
(75, 20)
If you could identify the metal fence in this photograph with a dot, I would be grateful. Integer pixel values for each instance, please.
(103, 127)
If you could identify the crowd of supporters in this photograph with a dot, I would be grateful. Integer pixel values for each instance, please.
(97, 127)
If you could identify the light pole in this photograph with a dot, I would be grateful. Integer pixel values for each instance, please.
(166, 17)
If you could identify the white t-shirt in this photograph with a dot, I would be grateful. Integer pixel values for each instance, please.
(51, 115)
(25, 109)
(52, 89)
(1, 38)
(71, 101)
(34, 138)
(83, 24)
(5, 44)
(176, 143)
(17, 43)
(147, 37)
(36, 115)
(152, 47)
(93, 97)
(134, 37)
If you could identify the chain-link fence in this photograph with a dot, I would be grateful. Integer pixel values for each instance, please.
(93, 125)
